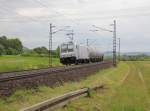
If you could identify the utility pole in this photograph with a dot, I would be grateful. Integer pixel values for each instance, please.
(114, 44)
(50, 44)
(119, 49)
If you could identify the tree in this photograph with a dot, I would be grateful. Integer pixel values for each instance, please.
(15, 45)
(11, 46)
(41, 50)
(2, 49)
(3, 41)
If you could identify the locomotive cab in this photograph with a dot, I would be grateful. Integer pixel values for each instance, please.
(67, 53)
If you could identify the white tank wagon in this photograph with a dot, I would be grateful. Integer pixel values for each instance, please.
(71, 53)
(95, 54)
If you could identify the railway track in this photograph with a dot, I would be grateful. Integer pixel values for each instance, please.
(34, 71)
(10, 82)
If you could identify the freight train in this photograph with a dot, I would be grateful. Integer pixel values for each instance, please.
(72, 53)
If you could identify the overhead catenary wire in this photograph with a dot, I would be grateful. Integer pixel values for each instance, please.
(102, 28)
(31, 19)
(114, 39)
(43, 4)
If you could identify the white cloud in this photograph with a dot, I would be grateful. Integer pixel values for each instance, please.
(33, 12)
(132, 21)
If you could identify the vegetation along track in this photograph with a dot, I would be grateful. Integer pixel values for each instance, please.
(49, 77)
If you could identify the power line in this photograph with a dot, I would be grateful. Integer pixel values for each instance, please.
(32, 19)
(102, 29)
(43, 5)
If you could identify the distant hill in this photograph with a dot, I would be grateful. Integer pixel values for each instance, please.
(109, 53)
(136, 53)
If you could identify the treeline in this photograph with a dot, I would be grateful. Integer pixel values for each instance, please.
(140, 57)
(15, 47)
(10, 46)
(40, 51)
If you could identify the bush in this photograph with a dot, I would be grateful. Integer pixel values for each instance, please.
(41, 50)
(33, 53)
(29, 53)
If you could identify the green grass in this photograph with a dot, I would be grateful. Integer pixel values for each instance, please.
(18, 63)
(129, 93)
(128, 89)
(24, 98)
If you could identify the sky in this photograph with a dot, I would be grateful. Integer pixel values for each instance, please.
(29, 21)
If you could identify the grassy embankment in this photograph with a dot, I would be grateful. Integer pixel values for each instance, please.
(129, 93)
(128, 89)
(23, 98)
(18, 63)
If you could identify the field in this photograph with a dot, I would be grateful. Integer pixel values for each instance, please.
(17, 63)
(127, 89)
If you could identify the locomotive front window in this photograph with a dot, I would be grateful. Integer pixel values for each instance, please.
(64, 48)
(70, 47)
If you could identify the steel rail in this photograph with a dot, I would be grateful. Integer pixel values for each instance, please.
(29, 74)
(51, 78)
